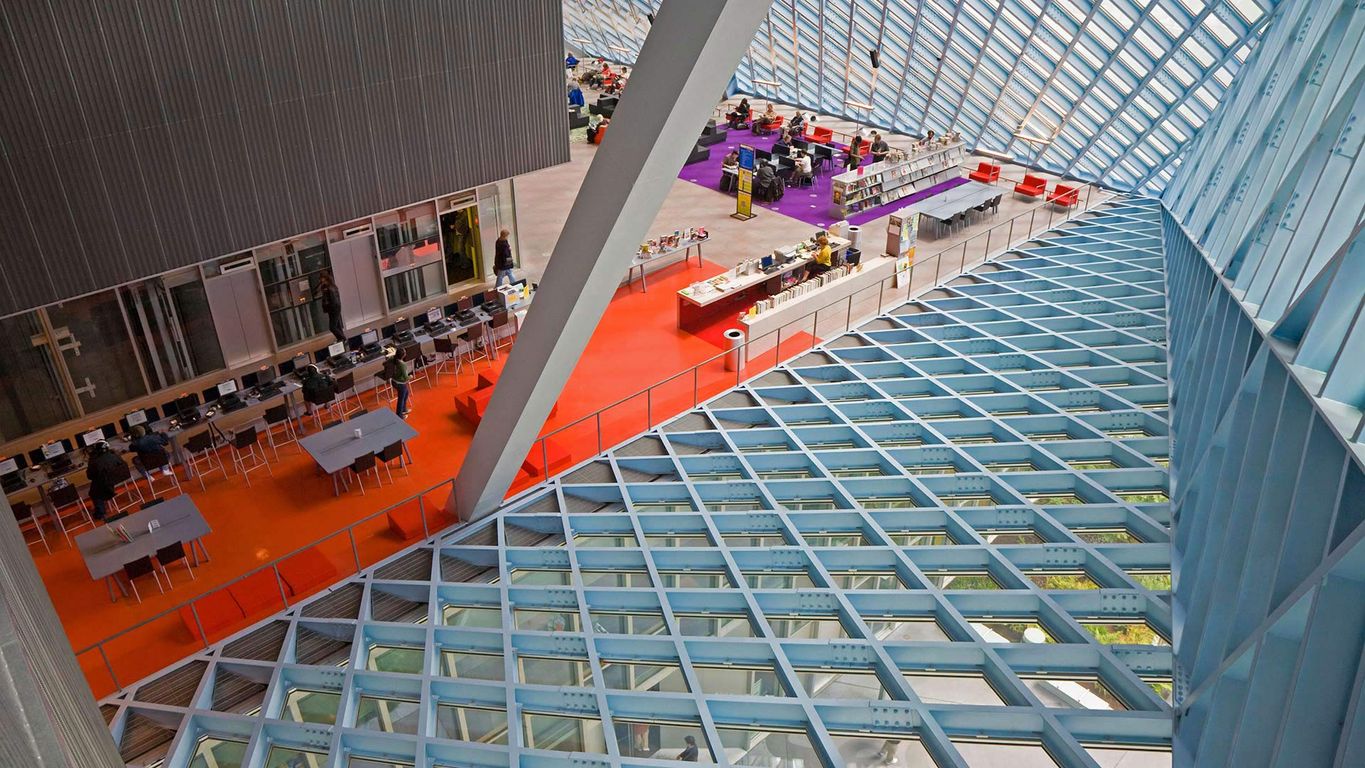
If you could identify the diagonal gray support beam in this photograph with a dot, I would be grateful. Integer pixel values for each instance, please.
(685, 63)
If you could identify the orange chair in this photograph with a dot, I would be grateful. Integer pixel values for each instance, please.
(820, 134)
(406, 522)
(1064, 196)
(488, 378)
(763, 130)
(257, 594)
(986, 173)
(218, 612)
(554, 453)
(1031, 186)
(306, 572)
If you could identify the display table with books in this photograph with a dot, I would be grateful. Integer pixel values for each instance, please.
(736, 290)
(798, 309)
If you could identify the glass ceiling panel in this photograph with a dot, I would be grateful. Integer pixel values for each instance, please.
(1187, 51)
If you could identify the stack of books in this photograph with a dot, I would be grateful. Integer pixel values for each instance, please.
(800, 289)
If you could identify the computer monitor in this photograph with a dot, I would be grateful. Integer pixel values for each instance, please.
(402, 325)
(9, 466)
(465, 304)
(93, 436)
(256, 378)
(477, 300)
(767, 262)
(186, 402)
(135, 418)
(434, 315)
(54, 449)
(369, 337)
(336, 349)
(227, 387)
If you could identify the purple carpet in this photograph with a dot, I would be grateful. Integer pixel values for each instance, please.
(813, 204)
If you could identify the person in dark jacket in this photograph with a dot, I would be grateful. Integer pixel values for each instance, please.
(398, 373)
(689, 753)
(318, 387)
(502, 259)
(331, 305)
(149, 449)
(105, 470)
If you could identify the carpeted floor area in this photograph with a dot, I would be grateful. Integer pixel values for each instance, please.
(812, 204)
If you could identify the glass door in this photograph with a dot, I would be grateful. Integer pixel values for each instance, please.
(172, 328)
(290, 274)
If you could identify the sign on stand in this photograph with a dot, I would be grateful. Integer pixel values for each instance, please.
(744, 200)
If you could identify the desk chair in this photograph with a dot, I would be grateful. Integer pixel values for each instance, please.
(67, 503)
(139, 568)
(203, 452)
(417, 365)
(172, 553)
(468, 346)
(363, 464)
(126, 493)
(502, 330)
(447, 355)
(345, 389)
(278, 422)
(25, 518)
(821, 156)
(247, 455)
(167, 471)
(391, 453)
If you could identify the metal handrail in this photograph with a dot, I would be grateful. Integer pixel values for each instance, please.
(937, 258)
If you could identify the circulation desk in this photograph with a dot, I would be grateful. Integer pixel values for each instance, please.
(740, 293)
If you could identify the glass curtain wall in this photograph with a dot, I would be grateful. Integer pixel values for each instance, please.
(96, 348)
(32, 393)
(172, 327)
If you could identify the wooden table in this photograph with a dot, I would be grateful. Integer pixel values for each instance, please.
(105, 554)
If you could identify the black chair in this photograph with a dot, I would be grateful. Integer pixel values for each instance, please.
(277, 420)
(139, 568)
(150, 504)
(247, 456)
(67, 503)
(362, 464)
(445, 350)
(24, 517)
(172, 553)
(781, 149)
(391, 453)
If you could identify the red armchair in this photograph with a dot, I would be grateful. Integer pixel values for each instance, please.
(763, 129)
(819, 135)
(1064, 196)
(985, 173)
(1031, 186)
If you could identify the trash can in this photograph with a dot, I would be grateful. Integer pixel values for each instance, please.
(734, 358)
(855, 237)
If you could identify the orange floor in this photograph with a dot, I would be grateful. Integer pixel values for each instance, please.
(636, 345)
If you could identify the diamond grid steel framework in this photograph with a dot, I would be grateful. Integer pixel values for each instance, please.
(1107, 91)
(943, 535)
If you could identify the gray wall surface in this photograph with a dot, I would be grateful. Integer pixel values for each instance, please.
(142, 136)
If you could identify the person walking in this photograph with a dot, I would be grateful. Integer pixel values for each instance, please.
(502, 259)
(105, 471)
(331, 305)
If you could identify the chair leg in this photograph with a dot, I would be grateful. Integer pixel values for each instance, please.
(389, 471)
(133, 583)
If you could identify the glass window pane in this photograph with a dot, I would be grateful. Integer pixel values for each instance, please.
(30, 390)
(485, 726)
(288, 757)
(96, 348)
(661, 741)
(563, 734)
(389, 715)
(219, 753)
(776, 749)
(305, 706)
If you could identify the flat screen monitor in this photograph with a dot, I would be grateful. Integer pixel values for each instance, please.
(434, 315)
(767, 262)
(336, 349)
(93, 436)
(477, 300)
(135, 418)
(465, 304)
(53, 450)
(369, 337)
(227, 387)
(9, 466)
(402, 325)
(186, 403)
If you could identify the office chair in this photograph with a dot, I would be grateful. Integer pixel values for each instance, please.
(25, 518)
(139, 568)
(172, 553)
(363, 464)
(391, 453)
(203, 452)
(247, 457)
(448, 355)
(277, 421)
(67, 503)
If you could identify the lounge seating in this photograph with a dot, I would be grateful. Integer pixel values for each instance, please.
(306, 572)
(699, 154)
(554, 453)
(986, 173)
(712, 134)
(763, 129)
(256, 595)
(218, 613)
(819, 134)
(1031, 186)
(1064, 196)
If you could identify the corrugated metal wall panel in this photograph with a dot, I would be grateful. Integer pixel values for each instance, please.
(141, 139)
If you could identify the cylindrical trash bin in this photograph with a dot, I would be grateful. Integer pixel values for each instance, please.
(855, 237)
(734, 358)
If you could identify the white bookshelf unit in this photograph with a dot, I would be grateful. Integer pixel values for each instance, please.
(890, 180)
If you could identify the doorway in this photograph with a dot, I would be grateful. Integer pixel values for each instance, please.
(463, 246)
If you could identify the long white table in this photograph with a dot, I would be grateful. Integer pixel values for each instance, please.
(944, 206)
(336, 448)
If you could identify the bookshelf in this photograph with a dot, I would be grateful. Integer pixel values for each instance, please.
(890, 180)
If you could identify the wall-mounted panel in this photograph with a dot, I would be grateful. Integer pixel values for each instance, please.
(138, 139)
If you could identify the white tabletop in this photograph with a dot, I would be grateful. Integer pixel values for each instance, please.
(948, 204)
(336, 448)
(105, 554)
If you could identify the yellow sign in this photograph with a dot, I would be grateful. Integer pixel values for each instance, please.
(744, 199)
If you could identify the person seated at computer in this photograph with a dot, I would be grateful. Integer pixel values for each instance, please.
(767, 187)
(803, 169)
(879, 148)
(824, 257)
(739, 114)
(767, 120)
(729, 171)
(149, 450)
(105, 471)
(318, 388)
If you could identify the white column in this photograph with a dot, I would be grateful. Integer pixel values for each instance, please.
(686, 61)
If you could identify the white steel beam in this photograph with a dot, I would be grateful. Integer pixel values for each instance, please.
(689, 56)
